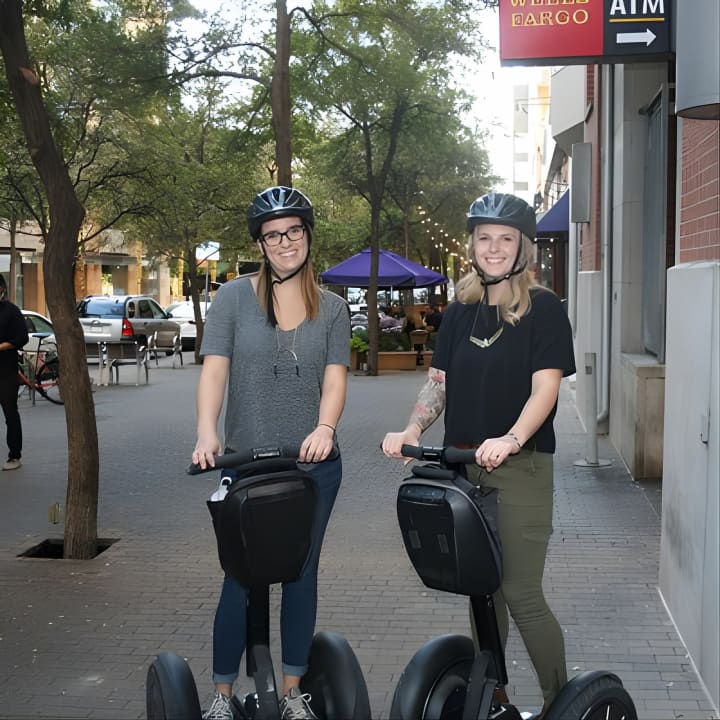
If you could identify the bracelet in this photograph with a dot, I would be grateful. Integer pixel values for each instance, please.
(513, 436)
(326, 425)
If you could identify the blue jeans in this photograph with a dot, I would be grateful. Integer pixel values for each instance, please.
(299, 598)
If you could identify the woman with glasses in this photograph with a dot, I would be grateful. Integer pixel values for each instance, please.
(502, 350)
(279, 344)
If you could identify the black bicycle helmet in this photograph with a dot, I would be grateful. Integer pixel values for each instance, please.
(277, 202)
(502, 209)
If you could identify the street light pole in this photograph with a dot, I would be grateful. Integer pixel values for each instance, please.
(213, 249)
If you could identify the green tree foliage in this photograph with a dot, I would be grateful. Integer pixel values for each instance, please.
(167, 134)
(73, 72)
(197, 188)
(371, 71)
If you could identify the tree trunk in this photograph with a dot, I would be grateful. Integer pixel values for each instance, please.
(280, 96)
(11, 281)
(192, 266)
(66, 217)
(376, 184)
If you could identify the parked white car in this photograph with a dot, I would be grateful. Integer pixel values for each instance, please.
(184, 315)
(40, 331)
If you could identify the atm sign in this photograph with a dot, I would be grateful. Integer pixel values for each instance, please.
(553, 32)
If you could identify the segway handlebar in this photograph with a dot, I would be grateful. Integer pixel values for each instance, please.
(236, 459)
(450, 454)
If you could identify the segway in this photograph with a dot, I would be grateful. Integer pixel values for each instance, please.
(448, 527)
(263, 529)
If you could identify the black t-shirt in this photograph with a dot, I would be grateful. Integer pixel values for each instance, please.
(487, 388)
(13, 330)
(433, 320)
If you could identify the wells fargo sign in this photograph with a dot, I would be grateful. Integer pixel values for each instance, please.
(566, 32)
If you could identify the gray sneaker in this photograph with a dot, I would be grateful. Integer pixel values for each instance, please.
(296, 706)
(219, 709)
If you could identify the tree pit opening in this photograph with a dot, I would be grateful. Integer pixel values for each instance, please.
(52, 548)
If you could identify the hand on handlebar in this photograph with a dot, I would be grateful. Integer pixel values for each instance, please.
(495, 451)
(393, 442)
(318, 445)
(206, 448)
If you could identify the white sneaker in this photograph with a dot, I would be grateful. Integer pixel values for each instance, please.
(12, 464)
(296, 706)
(219, 709)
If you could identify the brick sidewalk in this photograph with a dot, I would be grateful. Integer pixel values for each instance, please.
(76, 638)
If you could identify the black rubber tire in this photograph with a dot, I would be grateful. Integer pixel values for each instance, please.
(171, 693)
(434, 682)
(335, 680)
(593, 695)
(47, 381)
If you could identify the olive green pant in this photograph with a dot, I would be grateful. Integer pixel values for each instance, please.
(525, 506)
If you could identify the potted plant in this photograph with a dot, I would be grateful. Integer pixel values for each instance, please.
(358, 351)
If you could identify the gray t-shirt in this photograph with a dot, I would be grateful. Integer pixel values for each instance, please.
(275, 375)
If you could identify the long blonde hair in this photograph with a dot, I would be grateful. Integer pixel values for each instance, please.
(513, 304)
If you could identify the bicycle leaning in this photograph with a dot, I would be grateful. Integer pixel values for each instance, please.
(39, 371)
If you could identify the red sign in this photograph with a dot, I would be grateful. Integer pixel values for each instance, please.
(554, 32)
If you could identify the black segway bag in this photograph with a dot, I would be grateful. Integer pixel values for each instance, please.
(264, 524)
(450, 531)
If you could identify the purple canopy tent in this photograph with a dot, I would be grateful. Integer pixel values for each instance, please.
(394, 271)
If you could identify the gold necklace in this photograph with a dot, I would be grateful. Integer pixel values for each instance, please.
(486, 342)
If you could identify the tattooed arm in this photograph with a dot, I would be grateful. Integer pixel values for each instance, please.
(428, 407)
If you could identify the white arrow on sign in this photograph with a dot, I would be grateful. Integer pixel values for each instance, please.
(635, 37)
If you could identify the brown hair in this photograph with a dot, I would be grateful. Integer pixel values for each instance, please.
(308, 286)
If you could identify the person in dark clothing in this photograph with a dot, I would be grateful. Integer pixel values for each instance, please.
(13, 336)
(503, 349)
(433, 319)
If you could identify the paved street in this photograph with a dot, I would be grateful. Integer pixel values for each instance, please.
(76, 638)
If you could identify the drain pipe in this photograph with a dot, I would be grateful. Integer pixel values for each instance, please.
(608, 166)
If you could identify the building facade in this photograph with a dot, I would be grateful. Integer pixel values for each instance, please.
(644, 145)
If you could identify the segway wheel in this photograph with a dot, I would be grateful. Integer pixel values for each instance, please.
(433, 686)
(335, 681)
(593, 695)
(171, 692)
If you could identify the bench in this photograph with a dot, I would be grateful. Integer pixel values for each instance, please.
(110, 356)
(157, 345)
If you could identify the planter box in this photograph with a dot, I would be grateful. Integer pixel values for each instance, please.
(399, 360)
(357, 359)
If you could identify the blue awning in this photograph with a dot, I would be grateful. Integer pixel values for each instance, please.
(557, 218)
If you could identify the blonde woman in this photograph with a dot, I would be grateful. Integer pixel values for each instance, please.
(502, 350)
(279, 344)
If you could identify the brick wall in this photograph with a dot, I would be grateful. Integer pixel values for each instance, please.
(699, 237)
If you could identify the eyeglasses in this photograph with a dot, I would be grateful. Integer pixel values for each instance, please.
(274, 237)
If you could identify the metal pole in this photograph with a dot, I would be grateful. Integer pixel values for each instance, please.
(207, 283)
(591, 444)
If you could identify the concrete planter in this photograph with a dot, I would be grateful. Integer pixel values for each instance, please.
(402, 360)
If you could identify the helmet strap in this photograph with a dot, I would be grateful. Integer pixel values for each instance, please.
(272, 279)
(489, 280)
